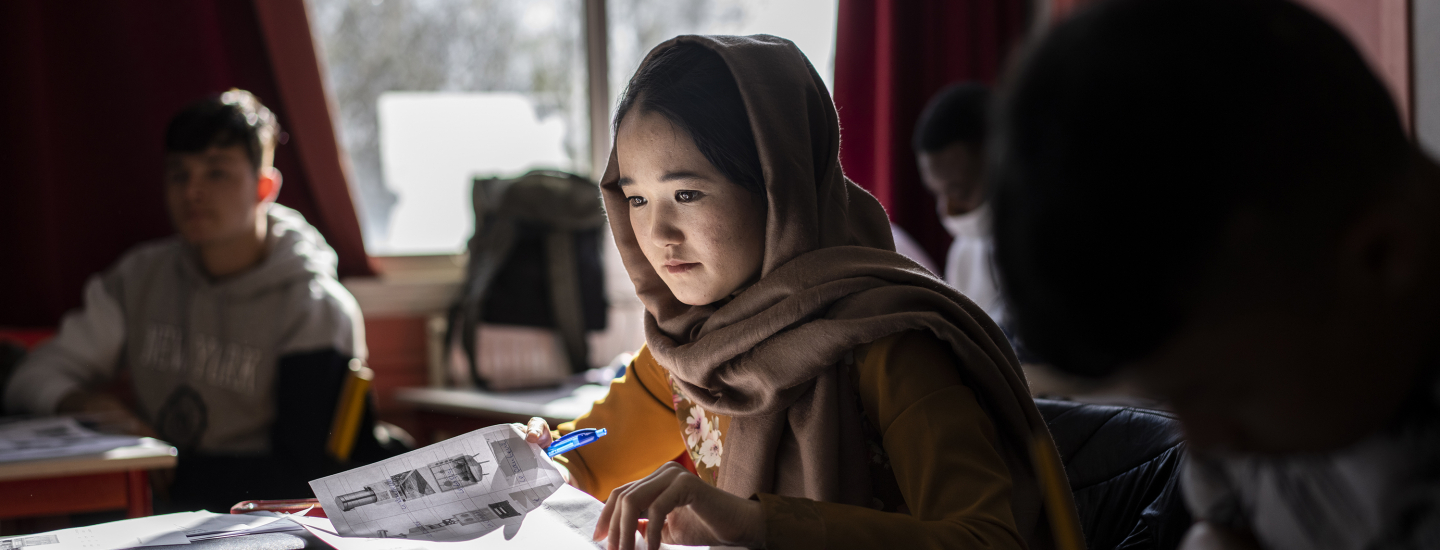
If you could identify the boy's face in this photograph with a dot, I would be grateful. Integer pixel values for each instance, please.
(953, 174)
(211, 195)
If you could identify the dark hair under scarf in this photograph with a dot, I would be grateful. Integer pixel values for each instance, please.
(691, 87)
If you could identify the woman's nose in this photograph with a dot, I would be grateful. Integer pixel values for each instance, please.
(664, 231)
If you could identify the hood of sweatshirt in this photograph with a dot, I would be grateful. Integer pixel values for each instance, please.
(294, 250)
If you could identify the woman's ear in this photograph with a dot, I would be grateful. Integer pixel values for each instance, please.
(268, 186)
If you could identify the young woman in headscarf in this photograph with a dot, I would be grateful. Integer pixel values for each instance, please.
(829, 392)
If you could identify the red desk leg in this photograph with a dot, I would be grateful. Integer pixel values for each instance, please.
(137, 483)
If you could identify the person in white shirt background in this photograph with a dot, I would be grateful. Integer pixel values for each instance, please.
(949, 146)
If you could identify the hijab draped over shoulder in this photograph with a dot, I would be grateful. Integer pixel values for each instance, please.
(772, 357)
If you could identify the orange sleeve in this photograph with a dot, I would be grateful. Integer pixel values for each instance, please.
(942, 448)
(642, 432)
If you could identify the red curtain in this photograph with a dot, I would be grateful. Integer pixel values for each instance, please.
(891, 56)
(88, 88)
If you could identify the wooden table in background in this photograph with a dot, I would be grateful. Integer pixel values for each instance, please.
(113, 480)
(445, 413)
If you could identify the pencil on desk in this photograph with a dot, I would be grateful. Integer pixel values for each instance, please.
(348, 410)
(1054, 488)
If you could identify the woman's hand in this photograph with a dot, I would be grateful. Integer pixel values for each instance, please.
(538, 432)
(680, 509)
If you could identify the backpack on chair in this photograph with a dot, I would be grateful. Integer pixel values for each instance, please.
(534, 285)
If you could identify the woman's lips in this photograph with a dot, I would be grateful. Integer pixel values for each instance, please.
(679, 267)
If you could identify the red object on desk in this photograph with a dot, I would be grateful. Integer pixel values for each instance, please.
(284, 506)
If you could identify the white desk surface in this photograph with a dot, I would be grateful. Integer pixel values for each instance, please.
(150, 454)
(563, 403)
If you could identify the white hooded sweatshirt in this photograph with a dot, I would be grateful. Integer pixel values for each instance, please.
(202, 353)
(969, 266)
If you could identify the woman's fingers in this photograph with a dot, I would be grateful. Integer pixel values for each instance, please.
(629, 504)
(625, 524)
(677, 494)
(538, 432)
(602, 525)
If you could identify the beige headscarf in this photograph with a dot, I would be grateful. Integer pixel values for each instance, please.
(771, 357)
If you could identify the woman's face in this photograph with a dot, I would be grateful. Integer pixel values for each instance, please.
(702, 233)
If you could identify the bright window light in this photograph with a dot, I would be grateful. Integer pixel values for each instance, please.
(433, 144)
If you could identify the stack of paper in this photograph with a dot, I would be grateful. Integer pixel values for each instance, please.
(53, 438)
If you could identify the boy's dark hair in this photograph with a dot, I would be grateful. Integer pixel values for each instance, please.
(235, 117)
(957, 113)
(1135, 132)
(692, 87)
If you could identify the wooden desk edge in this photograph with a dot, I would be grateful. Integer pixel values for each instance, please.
(149, 455)
(460, 404)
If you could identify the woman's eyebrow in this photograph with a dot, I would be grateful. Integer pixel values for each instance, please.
(672, 176)
(622, 182)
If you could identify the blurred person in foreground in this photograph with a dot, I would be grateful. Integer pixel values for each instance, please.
(220, 327)
(1214, 202)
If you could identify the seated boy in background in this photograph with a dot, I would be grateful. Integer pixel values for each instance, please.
(211, 323)
(1215, 202)
(950, 149)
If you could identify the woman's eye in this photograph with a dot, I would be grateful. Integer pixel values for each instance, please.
(686, 196)
(636, 202)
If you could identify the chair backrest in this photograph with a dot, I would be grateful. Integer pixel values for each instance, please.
(1124, 467)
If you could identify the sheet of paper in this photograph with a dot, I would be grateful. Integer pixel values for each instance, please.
(458, 489)
(564, 521)
(322, 524)
(116, 535)
(230, 525)
(53, 438)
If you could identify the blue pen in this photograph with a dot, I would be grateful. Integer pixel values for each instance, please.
(574, 440)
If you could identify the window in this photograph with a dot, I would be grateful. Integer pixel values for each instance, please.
(636, 26)
(433, 93)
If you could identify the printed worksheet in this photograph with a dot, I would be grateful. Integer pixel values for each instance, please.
(458, 489)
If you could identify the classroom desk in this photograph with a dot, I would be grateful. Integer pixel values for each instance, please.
(113, 480)
(444, 413)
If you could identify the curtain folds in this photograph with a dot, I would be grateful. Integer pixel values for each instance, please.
(890, 57)
(89, 89)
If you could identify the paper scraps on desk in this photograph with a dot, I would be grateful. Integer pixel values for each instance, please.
(562, 522)
(455, 490)
(54, 438)
(233, 525)
(181, 528)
